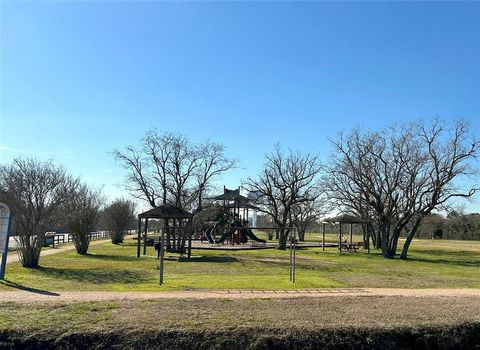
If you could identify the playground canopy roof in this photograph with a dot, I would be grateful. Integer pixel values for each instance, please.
(346, 219)
(165, 211)
(231, 195)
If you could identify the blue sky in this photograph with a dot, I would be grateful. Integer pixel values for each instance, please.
(81, 78)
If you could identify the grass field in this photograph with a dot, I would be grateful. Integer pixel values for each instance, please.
(432, 264)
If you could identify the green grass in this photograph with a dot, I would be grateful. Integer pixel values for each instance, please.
(432, 264)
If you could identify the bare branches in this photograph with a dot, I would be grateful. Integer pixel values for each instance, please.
(117, 217)
(170, 168)
(81, 214)
(35, 191)
(401, 174)
(287, 181)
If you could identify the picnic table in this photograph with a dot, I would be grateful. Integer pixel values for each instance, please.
(351, 247)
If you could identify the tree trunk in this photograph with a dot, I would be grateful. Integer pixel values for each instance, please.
(410, 236)
(282, 239)
(386, 249)
(29, 252)
(81, 241)
(301, 233)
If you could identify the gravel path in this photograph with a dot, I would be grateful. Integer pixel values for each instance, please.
(22, 296)
(13, 256)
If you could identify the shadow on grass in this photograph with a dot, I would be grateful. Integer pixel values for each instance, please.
(27, 289)
(210, 259)
(111, 257)
(97, 276)
(460, 258)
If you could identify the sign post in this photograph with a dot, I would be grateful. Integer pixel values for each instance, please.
(5, 221)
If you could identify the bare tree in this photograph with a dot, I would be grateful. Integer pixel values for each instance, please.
(213, 163)
(81, 214)
(35, 191)
(307, 213)
(286, 181)
(168, 168)
(399, 175)
(118, 217)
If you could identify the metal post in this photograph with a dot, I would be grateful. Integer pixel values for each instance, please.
(323, 236)
(340, 238)
(139, 236)
(190, 242)
(162, 255)
(368, 242)
(294, 257)
(290, 265)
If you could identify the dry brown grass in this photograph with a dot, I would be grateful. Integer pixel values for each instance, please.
(309, 313)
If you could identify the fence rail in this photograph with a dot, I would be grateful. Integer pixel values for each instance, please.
(54, 239)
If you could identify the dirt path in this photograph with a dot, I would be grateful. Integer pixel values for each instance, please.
(22, 296)
(13, 256)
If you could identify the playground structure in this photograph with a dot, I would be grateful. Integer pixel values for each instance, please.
(233, 226)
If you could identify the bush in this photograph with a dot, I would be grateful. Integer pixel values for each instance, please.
(118, 217)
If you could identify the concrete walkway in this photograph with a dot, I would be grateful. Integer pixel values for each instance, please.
(32, 296)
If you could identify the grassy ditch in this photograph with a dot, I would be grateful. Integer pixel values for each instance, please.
(309, 323)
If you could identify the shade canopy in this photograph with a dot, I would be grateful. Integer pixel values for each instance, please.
(165, 211)
(231, 195)
(346, 219)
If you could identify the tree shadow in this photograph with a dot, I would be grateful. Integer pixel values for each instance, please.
(97, 276)
(111, 257)
(460, 258)
(209, 259)
(27, 289)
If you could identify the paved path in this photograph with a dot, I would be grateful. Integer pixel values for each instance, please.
(13, 256)
(23, 296)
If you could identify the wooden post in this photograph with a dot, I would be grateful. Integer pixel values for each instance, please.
(323, 236)
(145, 237)
(139, 236)
(351, 233)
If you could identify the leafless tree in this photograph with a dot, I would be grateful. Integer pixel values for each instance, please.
(35, 191)
(81, 213)
(118, 217)
(287, 180)
(307, 213)
(169, 168)
(399, 175)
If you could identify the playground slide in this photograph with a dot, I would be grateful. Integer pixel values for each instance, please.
(208, 234)
(235, 226)
(249, 233)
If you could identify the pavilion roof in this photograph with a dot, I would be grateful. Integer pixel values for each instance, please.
(346, 219)
(165, 211)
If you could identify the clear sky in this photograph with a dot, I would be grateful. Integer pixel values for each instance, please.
(81, 78)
